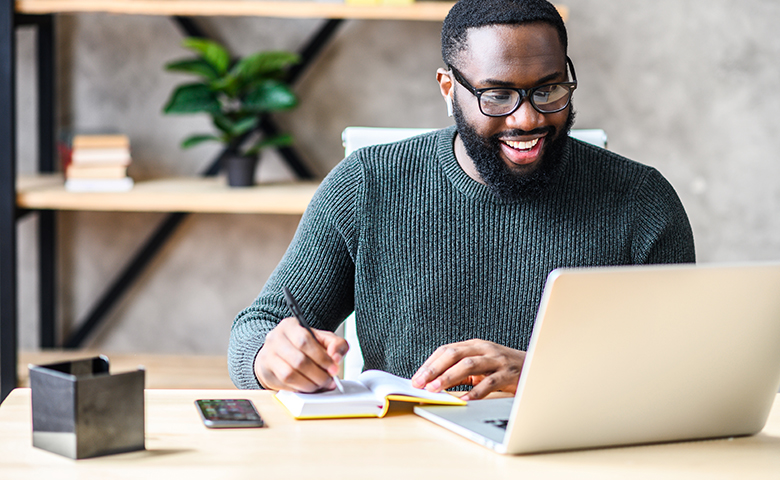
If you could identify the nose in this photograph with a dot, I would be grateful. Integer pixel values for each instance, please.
(525, 117)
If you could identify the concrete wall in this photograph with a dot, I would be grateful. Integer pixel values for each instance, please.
(689, 87)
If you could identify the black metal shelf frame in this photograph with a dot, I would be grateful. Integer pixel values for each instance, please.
(44, 25)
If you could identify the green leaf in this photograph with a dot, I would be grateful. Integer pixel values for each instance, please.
(198, 139)
(195, 66)
(281, 140)
(244, 125)
(228, 84)
(260, 65)
(223, 123)
(269, 96)
(192, 98)
(212, 52)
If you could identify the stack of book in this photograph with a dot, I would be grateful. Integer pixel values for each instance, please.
(98, 163)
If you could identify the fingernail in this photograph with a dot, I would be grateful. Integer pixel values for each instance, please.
(333, 369)
(434, 386)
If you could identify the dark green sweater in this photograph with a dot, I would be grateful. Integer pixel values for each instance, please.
(426, 256)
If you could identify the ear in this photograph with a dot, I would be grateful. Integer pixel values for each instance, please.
(445, 86)
(445, 82)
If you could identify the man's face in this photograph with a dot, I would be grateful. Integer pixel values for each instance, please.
(514, 154)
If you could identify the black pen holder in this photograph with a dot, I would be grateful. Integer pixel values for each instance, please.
(80, 410)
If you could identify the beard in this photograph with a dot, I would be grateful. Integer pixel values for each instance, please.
(503, 182)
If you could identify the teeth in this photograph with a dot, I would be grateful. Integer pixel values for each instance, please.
(522, 145)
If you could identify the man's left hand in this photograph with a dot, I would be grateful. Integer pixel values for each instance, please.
(487, 366)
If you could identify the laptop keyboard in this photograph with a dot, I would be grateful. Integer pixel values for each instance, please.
(497, 422)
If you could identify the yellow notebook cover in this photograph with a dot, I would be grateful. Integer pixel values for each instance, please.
(367, 396)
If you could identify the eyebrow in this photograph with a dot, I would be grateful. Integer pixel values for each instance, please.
(501, 83)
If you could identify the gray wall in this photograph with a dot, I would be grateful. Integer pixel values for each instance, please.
(684, 85)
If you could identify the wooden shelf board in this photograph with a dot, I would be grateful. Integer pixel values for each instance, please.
(430, 11)
(422, 10)
(190, 194)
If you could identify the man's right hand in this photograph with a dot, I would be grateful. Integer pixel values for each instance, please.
(292, 360)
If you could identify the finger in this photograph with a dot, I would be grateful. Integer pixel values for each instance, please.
(323, 348)
(288, 359)
(462, 371)
(275, 373)
(300, 361)
(443, 359)
(281, 376)
(505, 378)
(335, 346)
(300, 338)
(430, 369)
(491, 383)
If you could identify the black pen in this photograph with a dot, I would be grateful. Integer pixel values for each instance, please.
(296, 310)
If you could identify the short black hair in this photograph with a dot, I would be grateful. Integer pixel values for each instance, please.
(468, 14)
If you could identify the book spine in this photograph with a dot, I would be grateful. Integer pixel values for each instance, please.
(101, 156)
(99, 171)
(99, 184)
(101, 141)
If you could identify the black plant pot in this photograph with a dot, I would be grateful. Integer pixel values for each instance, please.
(241, 170)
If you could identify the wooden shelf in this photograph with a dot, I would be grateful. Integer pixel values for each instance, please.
(423, 11)
(190, 194)
(295, 9)
(162, 370)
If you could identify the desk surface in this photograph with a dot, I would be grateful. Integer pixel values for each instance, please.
(400, 446)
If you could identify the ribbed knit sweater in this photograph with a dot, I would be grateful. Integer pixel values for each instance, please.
(427, 256)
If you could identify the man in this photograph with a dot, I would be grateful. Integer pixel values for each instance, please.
(441, 244)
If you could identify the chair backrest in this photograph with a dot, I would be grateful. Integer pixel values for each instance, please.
(358, 137)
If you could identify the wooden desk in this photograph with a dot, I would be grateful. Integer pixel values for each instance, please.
(400, 446)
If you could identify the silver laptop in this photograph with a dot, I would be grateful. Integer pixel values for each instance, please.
(635, 355)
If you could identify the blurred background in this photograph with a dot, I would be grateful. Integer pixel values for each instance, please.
(686, 86)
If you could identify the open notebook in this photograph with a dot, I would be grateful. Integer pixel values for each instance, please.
(367, 396)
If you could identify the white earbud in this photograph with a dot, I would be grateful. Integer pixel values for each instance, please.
(448, 100)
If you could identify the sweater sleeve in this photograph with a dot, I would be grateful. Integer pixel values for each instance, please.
(661, 230)
(318, 269)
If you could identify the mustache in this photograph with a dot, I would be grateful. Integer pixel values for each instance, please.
(549, 130)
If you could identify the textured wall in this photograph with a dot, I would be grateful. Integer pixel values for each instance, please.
(683, 85)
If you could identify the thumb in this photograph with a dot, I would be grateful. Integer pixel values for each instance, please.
(335, 345)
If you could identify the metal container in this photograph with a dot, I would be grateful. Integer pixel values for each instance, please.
(80, 410)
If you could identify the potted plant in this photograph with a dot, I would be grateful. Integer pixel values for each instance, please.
(235, 93)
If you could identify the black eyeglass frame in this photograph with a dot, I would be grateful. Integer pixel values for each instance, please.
(523, 92)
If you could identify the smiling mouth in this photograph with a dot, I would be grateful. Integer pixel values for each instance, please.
(522, 145)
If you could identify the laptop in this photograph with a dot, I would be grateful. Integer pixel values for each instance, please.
(638, 355)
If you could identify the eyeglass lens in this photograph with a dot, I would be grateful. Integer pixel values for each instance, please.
(548, 98)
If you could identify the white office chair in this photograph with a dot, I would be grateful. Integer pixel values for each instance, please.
(358, 137)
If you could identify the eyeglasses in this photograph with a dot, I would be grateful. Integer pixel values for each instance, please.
(502, 101)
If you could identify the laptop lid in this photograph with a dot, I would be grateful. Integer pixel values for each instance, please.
(633, 355)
